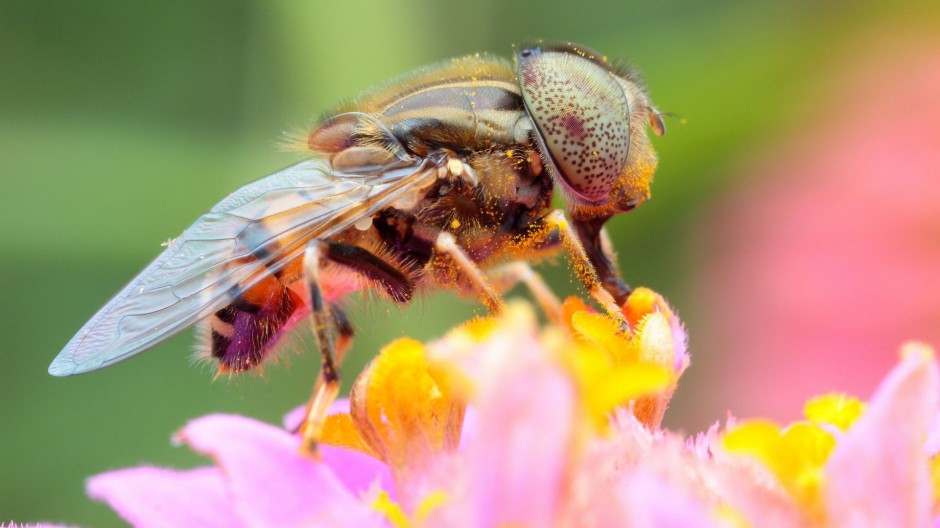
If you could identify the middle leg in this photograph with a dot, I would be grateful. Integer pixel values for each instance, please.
(447, 245)
(508, 275)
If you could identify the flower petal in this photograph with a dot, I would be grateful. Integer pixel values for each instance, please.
(149, 496)
(295, 417)
(405, 411)
(523, 439)
(835, 409)
(649, 501)
(878, 473)
(270, 482)
(357, 471)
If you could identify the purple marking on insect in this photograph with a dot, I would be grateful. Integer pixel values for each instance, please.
(243, 334)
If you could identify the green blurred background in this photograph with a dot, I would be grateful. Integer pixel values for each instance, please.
(120, 123)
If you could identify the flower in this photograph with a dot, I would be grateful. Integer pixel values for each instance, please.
(868, 469)
(259, 480)
(505, 423)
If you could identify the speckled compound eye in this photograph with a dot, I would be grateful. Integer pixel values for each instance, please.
(582, 119)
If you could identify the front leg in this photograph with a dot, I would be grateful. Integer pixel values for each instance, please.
(601, 254)
(595, 271)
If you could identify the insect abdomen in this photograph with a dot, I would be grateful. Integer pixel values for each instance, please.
(243, 334)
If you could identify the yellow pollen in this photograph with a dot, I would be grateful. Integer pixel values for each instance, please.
(396, 515)
(935, 477)
(428, 504)
(391, 509)
(454, 224)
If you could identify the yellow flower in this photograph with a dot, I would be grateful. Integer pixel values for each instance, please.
(401, 412)
(407, 407)
(839, 410)
(794, 455)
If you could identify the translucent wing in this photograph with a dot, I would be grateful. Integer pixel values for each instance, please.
(253, 232)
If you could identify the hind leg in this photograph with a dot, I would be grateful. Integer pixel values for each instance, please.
(324, 317)
(344, 332)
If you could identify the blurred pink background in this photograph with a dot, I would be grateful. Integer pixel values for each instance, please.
(828, 259)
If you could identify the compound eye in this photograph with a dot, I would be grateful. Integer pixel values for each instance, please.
(582, 120)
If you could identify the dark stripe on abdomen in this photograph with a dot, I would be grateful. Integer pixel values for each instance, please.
(245, 332)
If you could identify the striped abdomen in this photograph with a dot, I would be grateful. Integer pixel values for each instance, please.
(241, 335)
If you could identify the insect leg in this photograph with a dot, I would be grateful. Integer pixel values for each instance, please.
(446, 244)
(600, 252)
(327, 386)
(344, 332)
(586, 268)
(508, 275)
(325, 317)
(607, 247)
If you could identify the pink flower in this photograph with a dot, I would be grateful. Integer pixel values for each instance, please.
(878, 473)
(534, 409)
(505, 423)
(259, 480)
(870, 471)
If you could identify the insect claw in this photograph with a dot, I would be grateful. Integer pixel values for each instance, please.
(624, 328)
(309, 448)
(312, 429)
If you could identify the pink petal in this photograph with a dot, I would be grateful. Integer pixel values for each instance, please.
(522, 440)
(648, 501)
(749, 489)
(295, 417)
(357, 471)
(149, 496)
(468, 431)
(270, 482)
(878, 471)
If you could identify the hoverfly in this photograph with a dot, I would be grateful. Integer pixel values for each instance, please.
(425, 182)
